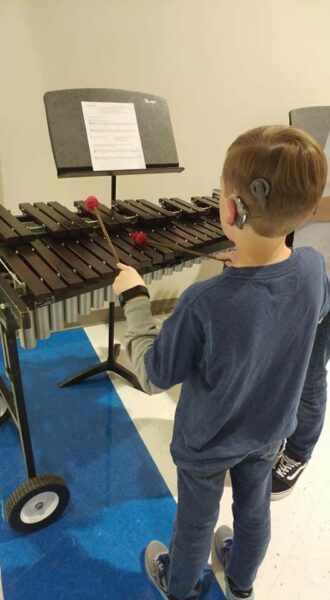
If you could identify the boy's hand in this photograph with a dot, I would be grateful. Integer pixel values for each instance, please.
(127, 278)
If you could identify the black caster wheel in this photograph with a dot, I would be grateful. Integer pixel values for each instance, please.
(4, 411)
(37, 503)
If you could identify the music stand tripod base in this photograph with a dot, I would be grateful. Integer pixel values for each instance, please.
(110, 364)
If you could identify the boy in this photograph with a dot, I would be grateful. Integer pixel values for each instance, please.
(240, 344)
(299, 447)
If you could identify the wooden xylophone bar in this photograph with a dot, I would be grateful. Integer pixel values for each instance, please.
(60, 265)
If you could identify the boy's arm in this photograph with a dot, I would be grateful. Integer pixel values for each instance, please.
(140, 335)
(326, 303)
(160, 359)
(141, 330)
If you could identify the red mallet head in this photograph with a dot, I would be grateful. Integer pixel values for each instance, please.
(91, 203)
(139, 238)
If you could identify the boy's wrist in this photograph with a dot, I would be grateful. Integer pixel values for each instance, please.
(134, 299)
(133, 293)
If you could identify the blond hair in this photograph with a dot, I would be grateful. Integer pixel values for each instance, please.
(291, 162)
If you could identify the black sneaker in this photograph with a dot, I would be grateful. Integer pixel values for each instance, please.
(285, 475)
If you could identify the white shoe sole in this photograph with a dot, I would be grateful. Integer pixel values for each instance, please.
(280, 495)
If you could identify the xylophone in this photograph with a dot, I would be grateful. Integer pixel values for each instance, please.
(55, 266)
(58, 264)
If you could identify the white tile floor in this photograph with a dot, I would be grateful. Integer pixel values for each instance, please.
(297, 566)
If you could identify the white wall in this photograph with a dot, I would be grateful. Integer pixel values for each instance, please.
(223, 66)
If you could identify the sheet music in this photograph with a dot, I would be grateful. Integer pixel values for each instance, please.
(113, 136)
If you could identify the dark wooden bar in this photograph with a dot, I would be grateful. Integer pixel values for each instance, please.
(36, 214)
(11, 228)
(61, 268)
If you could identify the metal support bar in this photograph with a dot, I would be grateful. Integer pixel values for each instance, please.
(15, 398)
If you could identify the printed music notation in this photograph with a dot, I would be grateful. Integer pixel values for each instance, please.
(113, 136)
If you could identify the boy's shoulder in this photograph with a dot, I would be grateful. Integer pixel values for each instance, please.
(307, 250)
(309, 255)
(305, 259)
(195, 290)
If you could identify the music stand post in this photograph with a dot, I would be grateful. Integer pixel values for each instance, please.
(72, 158)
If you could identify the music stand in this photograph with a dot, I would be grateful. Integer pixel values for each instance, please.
(71, 153)
(316, 121)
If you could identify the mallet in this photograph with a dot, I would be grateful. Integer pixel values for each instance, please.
(92, 205)
(141, 239)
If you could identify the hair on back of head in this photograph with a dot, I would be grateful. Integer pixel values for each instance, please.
(294, 165)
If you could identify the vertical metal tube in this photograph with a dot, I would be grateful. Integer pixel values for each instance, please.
(189, 263)
(108, 294)
(71, 309)
(85, 303)
(98, 298)
(27, 337)
(148, 278)
(157, 275)
(41, 320)
(178, 268)
(56, 313)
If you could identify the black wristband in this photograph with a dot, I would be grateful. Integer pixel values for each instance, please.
(133, 292)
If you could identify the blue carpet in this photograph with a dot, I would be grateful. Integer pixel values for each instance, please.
(119, 500)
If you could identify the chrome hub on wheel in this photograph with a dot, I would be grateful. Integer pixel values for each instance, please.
(39, 507)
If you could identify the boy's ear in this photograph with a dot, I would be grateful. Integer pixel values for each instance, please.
(232, 211)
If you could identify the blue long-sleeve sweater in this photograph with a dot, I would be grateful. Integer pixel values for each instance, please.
(240, 344)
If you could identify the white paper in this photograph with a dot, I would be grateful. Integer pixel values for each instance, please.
(113, 136)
